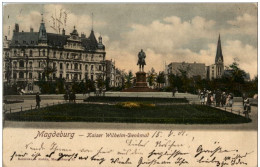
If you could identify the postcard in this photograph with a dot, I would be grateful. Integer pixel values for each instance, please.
(130, 84)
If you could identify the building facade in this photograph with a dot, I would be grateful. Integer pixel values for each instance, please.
(192, 69)
(28, 55)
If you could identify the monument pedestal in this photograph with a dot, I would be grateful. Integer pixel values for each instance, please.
(141, 80)
(140, 85)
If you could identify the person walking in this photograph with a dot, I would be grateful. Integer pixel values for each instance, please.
(38, 100)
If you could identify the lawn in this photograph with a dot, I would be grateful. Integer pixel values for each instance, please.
(136, 99)
(176, 114)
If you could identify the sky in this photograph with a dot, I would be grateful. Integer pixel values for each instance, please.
(167, 32)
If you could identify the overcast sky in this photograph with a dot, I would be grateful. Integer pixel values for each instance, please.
(167, 32)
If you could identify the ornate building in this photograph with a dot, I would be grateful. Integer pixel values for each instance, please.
(28, 55)
(216, 70)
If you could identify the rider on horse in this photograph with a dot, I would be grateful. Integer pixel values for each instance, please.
(141, 60)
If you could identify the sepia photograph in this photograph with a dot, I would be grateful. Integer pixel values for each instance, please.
(130, 84)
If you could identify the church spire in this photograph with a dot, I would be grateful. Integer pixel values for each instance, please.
(219, 55)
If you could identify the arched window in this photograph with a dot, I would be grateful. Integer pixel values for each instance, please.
(21, 75)
(43, 52)
(86, 67)
(21, 64)
(54, 54)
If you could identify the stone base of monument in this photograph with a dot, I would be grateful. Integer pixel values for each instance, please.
(140, 85)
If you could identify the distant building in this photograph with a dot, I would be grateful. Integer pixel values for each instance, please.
(113, 74)
(74, 57)
(110, 72)
(192, 69)
(216, 70)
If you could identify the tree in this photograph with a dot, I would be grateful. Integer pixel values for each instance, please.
(160, 78)
(100, 82)
(238, 75)
(151, 77)
(129, 79)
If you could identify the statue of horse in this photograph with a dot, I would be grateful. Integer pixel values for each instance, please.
(141, 60)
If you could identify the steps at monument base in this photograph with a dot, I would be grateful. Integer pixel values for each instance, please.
(139, 89)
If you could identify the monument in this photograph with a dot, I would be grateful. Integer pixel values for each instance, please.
(141, 84)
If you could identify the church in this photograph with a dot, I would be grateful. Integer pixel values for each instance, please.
(74, 57)
(216, 70)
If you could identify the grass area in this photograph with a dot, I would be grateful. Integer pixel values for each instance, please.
(177, 114)
(136, 99)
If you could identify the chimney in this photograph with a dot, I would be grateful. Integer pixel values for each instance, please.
(16, 27)
(63, 31)
(83, 35)
(31, 29)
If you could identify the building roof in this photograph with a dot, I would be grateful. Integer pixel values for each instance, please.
(219, 54)
(53, 40)
(25, 38)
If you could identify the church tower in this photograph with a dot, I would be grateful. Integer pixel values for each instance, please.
(219, 60)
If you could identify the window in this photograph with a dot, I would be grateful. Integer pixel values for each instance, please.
(92, 67)
(15, 64)
(79, 77)
(54, 54)
(92, 78)
(60, 75)
(67, 76)
(30, 64)
(30, 87)
(43, 52)
(61, 55)
(86, 67)
(15, 52)
(30, 75)
(54, 75)
(92, 57)
(54, 65)
(68, 55)
(61, 66)
(80, 66)
(39, 75)
(67, 66)
(21, 64)
(39, 64)
(76, 66)
(21, 75)
(14, 75)
(31, 53)
(100, 68)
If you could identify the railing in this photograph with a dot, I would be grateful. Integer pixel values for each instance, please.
(32, 107)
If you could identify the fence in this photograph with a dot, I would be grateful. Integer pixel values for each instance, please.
(31, 107)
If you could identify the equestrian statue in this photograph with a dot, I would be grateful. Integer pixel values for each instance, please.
(141, 60)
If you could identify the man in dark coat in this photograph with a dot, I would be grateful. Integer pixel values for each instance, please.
(38, 100)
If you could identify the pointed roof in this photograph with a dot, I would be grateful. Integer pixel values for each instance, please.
(219, 54)
(42, 32)
(92, 41)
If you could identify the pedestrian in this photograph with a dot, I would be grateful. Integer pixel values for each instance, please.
(223, 99)
(218, 98)
(202, 98)
(247, 107)
(38, 100)
(173, 92)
